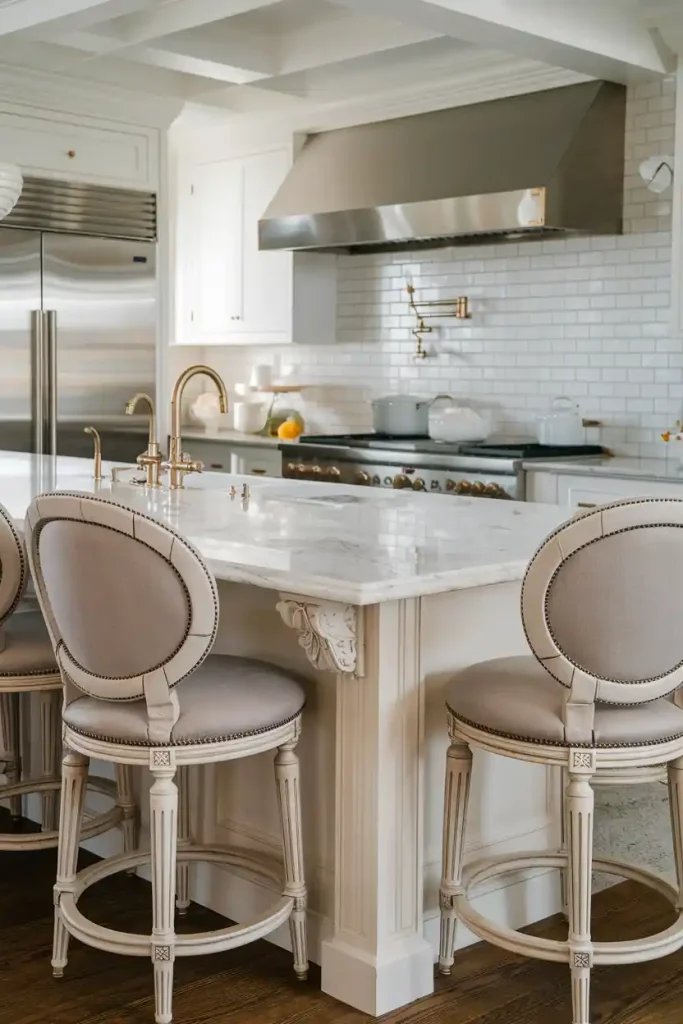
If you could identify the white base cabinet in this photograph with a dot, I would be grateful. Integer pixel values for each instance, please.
(580, 492)
(229, 292)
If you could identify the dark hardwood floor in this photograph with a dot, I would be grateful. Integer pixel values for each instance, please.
(255, 983)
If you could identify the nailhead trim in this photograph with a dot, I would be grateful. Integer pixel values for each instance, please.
(176, 537)
(190, 742)
(555, 743)
(560, 529)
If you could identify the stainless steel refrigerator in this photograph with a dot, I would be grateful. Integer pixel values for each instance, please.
(78, 318)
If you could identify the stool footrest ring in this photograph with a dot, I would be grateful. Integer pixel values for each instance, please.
(627, 951)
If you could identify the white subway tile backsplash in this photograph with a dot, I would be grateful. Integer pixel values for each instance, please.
(583, 317)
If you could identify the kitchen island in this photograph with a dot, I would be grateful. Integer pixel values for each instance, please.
(374, 598)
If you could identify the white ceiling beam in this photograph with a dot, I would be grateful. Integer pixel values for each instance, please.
(237, 57)
(202, 65)
(45, 18)
(179, 16)
(593, 37)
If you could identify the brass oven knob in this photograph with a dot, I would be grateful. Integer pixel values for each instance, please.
(362, 478)
(316, 470)
(333, 472)
(400, 481)
(291, 467)
(463, 487)
(478, 487)
(301, 468)
(419, 484)
(492, 490)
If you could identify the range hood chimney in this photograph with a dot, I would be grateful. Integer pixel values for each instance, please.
(545, 163)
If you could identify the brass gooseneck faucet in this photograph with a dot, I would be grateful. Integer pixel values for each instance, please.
(150, 460)
(178, 463)
(97, 455)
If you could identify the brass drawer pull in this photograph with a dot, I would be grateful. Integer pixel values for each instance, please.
(258, 472)
(587, 504)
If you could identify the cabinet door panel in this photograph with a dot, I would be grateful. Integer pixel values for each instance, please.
(267, 276)
(215, 266)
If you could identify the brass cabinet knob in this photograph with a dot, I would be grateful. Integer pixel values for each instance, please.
(400, 481)
(71, 153)
(419, 484)
(463, 487)
(362, 478)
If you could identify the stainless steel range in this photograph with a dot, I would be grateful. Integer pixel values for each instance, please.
(486, 470)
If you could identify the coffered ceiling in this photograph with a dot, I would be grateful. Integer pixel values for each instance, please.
(272, 54)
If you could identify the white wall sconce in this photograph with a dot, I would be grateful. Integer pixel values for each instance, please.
(657, 172)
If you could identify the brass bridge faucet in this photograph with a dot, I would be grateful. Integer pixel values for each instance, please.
(178, 463)
(150, 460)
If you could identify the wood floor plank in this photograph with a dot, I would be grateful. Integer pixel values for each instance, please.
(256, 983)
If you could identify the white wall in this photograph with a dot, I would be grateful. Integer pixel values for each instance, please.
(587, 317)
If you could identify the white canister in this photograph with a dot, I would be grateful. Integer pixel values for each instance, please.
(261, 376)
(248, 417)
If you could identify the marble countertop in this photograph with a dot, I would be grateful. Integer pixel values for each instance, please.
(349, 544)
(605, 465)
(193, 433)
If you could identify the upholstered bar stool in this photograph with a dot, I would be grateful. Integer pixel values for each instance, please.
(600, 612)
(28, 666)
(133, 611)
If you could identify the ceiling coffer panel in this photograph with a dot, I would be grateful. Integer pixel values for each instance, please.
(544, 162)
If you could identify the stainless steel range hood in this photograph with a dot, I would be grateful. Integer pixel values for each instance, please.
(540, 164)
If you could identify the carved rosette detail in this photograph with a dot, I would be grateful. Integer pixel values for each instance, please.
(162, 953)
(328, 632)
(446, 900)
(582, 960)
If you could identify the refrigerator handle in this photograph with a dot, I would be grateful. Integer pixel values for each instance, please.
(38, 382)
(51, 380)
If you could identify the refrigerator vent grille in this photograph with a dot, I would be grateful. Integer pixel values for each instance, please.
(74, 208)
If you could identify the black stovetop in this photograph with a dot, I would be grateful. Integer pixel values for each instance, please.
(521, 449)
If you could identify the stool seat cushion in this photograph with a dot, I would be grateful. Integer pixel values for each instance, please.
(225, 698)
(27, 647)
(515, 697)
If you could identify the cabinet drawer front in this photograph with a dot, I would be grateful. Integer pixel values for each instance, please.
(256, 461)
(587, 492)
(76, 151)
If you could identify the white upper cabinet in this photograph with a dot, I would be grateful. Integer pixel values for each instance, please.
(54, 145)
(228, 291)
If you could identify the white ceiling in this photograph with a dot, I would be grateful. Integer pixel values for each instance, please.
(262, 54)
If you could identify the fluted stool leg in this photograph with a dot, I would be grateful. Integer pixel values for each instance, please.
(564, 875)
(50, 751)
(9, 728)
(183, 870)
(579, 803)
(74, 779)
(163, 808)
(289, 803)
(456, 796)
(125, 799)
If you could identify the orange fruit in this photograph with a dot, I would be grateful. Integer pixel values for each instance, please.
(289, 430)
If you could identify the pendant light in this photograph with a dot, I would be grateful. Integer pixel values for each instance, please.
(11, 183)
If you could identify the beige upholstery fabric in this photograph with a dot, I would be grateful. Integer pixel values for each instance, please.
(120, 608)
(13, 567)
(27, 650)
(613, 605)
(516, 697)
(227, 697)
